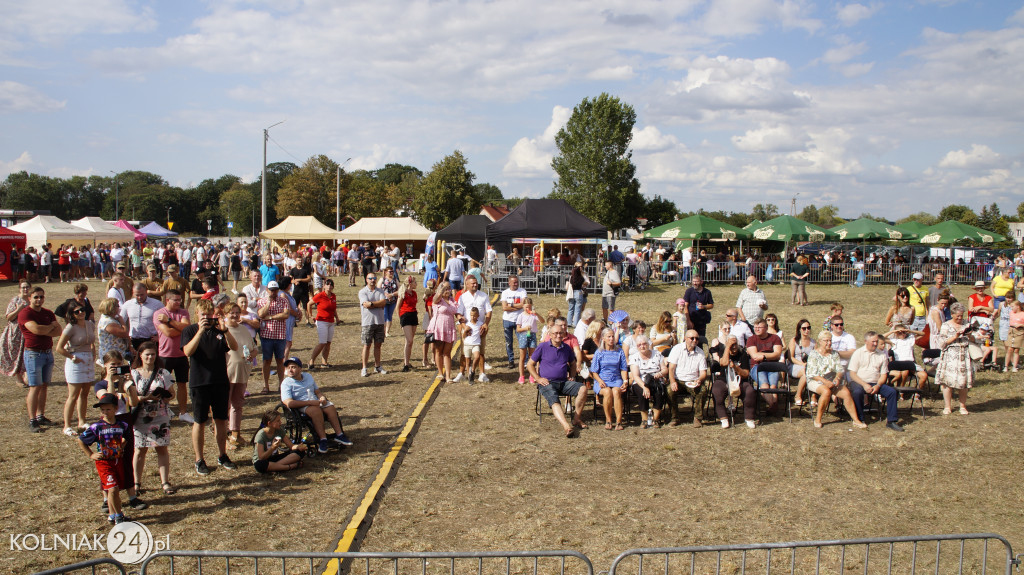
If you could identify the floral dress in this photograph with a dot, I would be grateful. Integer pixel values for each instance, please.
(153, 424)
(107, 341)
(954, 370)
(12, 356)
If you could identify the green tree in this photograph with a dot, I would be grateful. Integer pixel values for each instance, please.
(488, 193)
(446, 192)
(827, 217)
(809, 214)
(923, 218)
(394, 173)
(959, 213)
(310, 191)
(25, 191)
(1020, 212)
(594, 164)
(366, 196)
(659, 211)
(241, 206)
(764, 212)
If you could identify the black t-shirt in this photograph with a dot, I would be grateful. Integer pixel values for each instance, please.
(300, 290)
(209, 364)
(741, 358)
(588, 347)
(693, 296)
(236, 263)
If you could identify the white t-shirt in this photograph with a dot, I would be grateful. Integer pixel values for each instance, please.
(474, 337)
(688, 364)
(512, 297)
(480, 301)
(903, 349)
(845, 342)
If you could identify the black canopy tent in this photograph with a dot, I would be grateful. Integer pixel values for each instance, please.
(544, 219)
(470, 231)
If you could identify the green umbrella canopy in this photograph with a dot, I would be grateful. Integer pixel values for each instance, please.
(697, 227)
(912, 226)
(868, 229)
(789, 229)
(950, 231)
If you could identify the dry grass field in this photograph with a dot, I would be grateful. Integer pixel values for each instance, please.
(483, 474)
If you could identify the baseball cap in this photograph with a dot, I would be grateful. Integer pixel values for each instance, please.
(273, 285)
(121, 265)
(979, 283)
(106, 399)
(918, 276)
(172, 268)
(294, 360)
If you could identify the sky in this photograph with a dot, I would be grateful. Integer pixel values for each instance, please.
(888, 108)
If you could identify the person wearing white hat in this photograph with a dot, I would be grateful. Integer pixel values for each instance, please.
(273, 310)
(918, 299)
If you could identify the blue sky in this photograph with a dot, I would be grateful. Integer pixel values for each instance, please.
(884, 107)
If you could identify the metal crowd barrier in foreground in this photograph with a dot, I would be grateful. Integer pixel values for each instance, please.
(972, 553)
(939, 554)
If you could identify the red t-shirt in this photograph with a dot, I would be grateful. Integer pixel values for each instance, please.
(980, 299)
(766, 345)
(41, 317)
(408, 304)
(325, 305)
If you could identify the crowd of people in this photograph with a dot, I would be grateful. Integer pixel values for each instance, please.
(173, 341)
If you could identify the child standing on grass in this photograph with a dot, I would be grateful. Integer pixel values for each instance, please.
(109, 436)
(680, 320)
(526, 334)
(471, 338)
(1016, 336)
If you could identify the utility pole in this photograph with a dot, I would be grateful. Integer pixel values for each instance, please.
(266, 136)
(337, 198)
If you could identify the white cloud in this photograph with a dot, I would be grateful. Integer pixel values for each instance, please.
(17, 97)
(979, 156)
(851, 14)
(994, 179)
(731, 18)
(779, 138)
(531, 157)
(22, 162)
(612, 73)
(650, 139)
(844, 51)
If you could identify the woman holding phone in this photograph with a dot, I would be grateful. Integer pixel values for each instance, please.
(155, 388)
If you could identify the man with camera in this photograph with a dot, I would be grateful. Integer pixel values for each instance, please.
(207, 344)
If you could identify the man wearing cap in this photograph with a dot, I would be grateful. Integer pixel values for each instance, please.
(207, 344)
(154, 287)
(139, 312)
(169, 321)
(300, 392)
(918, 299)
(372, 302)
(172, 281)
(273, 310)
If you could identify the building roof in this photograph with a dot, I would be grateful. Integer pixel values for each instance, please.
(493, 212)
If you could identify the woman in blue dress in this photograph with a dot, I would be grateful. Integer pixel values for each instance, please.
(608, 368)
(429, 270)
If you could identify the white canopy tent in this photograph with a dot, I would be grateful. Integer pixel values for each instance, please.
(299, 228)
(103, 232)
(381, 229)
(52, 230)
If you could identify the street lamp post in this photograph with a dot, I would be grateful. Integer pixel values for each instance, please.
(337, 198)
(117, 197)
(263, 201)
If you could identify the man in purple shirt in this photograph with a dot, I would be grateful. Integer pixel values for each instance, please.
(553, 366)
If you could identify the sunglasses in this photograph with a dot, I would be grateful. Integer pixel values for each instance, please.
(838, 324)
(807, 327)
(80, 310)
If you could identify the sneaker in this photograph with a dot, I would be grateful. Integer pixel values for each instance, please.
(522, 380)
(121, 518)
(381, 370)
(43, 420)
(186, 418)
(894, 426)
(406, 368)
(511, 365)
(458, 377)
(225, 462)
(322, 448)
(487, 366)
(138, 504)
(33, 425)
(111, 519)
(105, 507)
(70, 432)
(532, 380)
(725, 424)
(1015, 369)
(342, 439)
(751, 423)
(483, 378)
(363, 373)
(201, 467)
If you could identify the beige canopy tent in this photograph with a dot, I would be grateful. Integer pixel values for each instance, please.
(299, 228)
(52, 230)
(381, 229)
(103, 232)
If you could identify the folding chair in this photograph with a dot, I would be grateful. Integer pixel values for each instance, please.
(540, 405)
(783, 389)
(906, 391)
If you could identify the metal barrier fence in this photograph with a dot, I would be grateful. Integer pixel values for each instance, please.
(88, 566)
(962, 553)
(369, 563)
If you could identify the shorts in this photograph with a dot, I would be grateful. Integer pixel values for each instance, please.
(468, 350)
(38, 367)
(372, 334)
(527, 339)
(552, 390)
(235, 274)
(262, 465)
(64, 268)
(608, 302)
(409, 318)
(324, 331)
(209, 398)
(813, 385)
(111, 472)
(272, 348)
(1016, 337)
(177, 366)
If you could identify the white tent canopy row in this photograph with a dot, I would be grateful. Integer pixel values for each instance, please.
(52, 230)
(308, 228)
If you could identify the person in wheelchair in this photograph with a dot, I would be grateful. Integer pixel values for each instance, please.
(300, 392)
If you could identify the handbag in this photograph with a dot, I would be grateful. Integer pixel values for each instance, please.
(924, 340)
(568, 291)
(428, 337)
(584, 371)
(733, 379)
(975, 351)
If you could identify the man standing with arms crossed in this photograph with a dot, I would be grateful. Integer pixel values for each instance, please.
(38, 326)
(511, 306)
(371, 308)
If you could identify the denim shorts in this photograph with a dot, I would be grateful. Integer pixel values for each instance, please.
(527, 340)
(272, 348)
(38, 367)
(552, 390)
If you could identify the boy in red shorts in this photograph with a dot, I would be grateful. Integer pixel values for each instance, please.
(108, 435)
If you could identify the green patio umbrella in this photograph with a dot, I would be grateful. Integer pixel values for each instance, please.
(912, 226)
(790, 229)
(697, 227)
(868, 229)
(951, 231)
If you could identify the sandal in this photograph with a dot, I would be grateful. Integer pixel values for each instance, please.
(168, 489)
(619, 427)
(963, 411)
(609, 426)
(946, 411)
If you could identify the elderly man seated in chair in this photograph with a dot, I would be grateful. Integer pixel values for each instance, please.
(687, 371)
(553, 366)
(868, 370)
